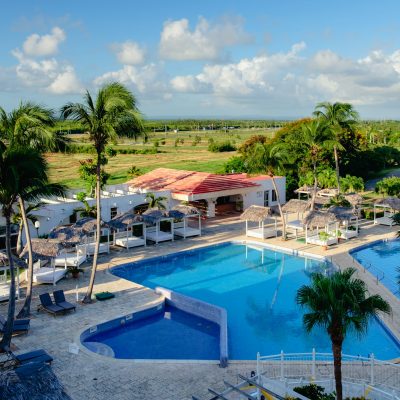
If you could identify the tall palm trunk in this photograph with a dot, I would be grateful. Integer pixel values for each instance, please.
(279, 206)
(314, 194)
(26, 308)
(88, 296)
(335, 152)
(5, 342)
(337, 366)
(19, 239)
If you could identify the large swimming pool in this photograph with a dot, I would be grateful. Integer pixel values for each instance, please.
(382, 259)
(257, 287)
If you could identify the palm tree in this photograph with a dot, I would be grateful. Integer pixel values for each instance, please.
(156, 202)
(315, 138)
(339, 116)
(18, 220)
(112, 113)
(339, 303)
(87, 210)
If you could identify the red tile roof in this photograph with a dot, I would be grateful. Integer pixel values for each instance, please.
(190, 182)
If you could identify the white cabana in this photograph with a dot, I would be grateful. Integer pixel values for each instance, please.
(88, 226)
(73, 257)
(123, 227)
(323, 226)
(348, 221)
(153, 219)
(46, 250)
(185, 214)
(390, 206)
(259, 215)
(297, 208)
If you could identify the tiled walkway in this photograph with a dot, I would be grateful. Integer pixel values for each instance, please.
(90, 376)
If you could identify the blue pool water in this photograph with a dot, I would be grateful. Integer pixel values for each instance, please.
(169, 334)
(257, 287)
(382, 259)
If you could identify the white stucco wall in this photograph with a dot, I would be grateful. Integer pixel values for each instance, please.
(257, 197)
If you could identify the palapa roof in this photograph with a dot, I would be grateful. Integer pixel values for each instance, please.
(256, 214)
(4, 262)
(125, 220)
(44, 248)
(319, 219)
(306, 189)
(392, 202)
(354, 199)
(186, 209)
(343, 213)
(68, 235)
(328, 192)
(296, 206)
(87, 224)
(153, 215)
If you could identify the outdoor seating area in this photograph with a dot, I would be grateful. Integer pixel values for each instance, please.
(390, 206)
(259, 216)
(59, 306)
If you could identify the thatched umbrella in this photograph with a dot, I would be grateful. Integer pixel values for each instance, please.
(391, 202)
(354, 199)
(186, 209)
(306, 189)
(69, 236)
(343, 213)
(40, 383)
(256, 214)
(47, 249)
(87, 224)
(153, 215)
(327, 192)
(319, 219)
(125, 220)
(175, 214)
(296, 206)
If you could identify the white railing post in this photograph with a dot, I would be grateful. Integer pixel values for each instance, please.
(258, 374)
(313, 365)
(372, 369)
(282, 365)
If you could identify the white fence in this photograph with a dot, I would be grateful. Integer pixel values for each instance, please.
(361, 376)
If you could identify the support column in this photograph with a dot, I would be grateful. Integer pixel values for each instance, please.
(211, 207)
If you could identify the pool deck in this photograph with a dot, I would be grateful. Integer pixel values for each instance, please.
(90, 376)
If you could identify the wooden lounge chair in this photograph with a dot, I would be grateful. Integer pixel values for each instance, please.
(34, 356)
(48, 305)
(27, 321)
(18, 328)
(60, 301)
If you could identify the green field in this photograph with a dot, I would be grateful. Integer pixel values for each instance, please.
(64, 167)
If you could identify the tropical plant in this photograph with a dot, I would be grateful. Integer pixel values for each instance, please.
(18, 220)
(338, 200)
(112, 113)
(88, 173)
(338, 116)
(156, 202)
(87, 210)
(339, 303)
(389, 186)
(326, 178)
(350, 184)
(134, 171)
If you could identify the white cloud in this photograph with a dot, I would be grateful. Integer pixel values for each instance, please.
(46, 45)
(129, 53)
(206, 42)
(65, 82)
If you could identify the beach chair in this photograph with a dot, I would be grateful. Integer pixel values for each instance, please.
(27, 321)
(60, 301)
(47, 304)
(40, 356)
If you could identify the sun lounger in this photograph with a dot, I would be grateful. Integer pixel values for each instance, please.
(60, 301)
(49, 306)
(27, 321)
(261, 233)
(122, 240)
(187, 232)
(17, 328)
(103, 248)
(72, 259)
(31, 368)
(159, 236)
(34, 356)
(47, 274)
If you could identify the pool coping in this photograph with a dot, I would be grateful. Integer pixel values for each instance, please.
(294, 252)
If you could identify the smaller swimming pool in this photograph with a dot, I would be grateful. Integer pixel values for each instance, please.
(381, 259)
(163, 332)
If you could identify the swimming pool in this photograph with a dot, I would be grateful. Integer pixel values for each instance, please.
(257, 287)
(382, 259)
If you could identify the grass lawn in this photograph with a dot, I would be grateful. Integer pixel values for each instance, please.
(64, 167)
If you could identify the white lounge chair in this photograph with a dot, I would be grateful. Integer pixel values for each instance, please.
(262, 233)
(316, 239)
(123, 240)
(72, 259)
(182, 230)
(47, 274)
(385, 220)
(157, 235)
(103, 248)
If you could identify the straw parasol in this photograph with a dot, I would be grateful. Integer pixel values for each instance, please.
(125, 220)
(306, 189)
(319, 219)
(4, 261)
(328, 192)
(176, 214)
(186, 209)
(392, 202)
(296, 206)
(44, 249)
(343, 213)
(153, 215)
(354, 199)
(69, 236)
(256, 214)
(87, 224)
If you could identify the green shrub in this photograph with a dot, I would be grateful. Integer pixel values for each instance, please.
(389, 186)
(368, 213)
(221, 147)
(314, 392)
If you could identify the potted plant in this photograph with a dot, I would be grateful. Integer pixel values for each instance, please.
(339, 234)
(74, 271)
(324, 236)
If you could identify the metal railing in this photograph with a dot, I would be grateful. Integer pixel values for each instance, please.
(373, 375)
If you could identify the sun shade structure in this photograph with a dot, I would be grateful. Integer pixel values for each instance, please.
(328, 192)
(390, 206)
(153, 218)
(298, 207)
(354, 199)
(123, 235)
(69, 236)
(88, 226)
(305, 190)
(46, 250)
(316, 220)
(346, 216)
(259, 215)
(183, 215)
(4, 268)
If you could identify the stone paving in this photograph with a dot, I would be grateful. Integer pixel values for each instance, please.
(90, 376)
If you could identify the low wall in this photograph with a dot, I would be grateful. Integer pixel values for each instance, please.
(203, 310)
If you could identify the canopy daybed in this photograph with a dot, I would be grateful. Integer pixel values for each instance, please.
(184, 214)
(391, 206)
(317, 220)
(153, 219)
(258, 215)
(298, 207)
(122, 226)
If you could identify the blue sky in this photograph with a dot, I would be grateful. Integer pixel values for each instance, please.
(206, 58)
